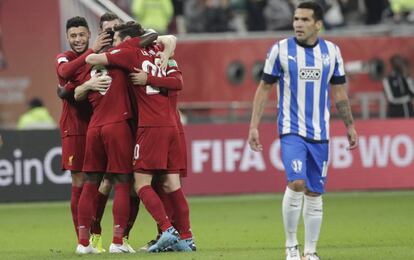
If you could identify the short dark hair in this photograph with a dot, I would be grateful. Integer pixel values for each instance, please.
(35, 102)
(76, 22)
(106, 17)
(315, 7)
(132, 29)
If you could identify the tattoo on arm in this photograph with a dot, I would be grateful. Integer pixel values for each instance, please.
(344, 110)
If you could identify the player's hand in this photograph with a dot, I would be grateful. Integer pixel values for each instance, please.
(163, 60)
(99, 83)
(352, 138)
(254, 141)
(139, 77)
(103, 40)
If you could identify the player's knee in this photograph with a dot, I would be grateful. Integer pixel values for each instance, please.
(172, 183)
(297, 185)
(93, 178)
(105, 187)
(78, 178)
(142, 180)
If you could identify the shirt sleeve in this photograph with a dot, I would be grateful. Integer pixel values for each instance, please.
(173, 80)
(272, 68)
(123, 58)
(338, 76)
(66, 67)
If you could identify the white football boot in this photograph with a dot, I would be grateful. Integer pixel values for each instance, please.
(312, 256)
(116, 248)
(292, 253)
(83, 250)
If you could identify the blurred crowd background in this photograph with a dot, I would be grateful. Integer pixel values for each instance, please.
(200, 16)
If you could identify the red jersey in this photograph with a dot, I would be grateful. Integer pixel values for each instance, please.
(154, 108)
(75, 115)
(114, 104)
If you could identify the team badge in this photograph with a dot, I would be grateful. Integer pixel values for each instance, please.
(70, 161)
(297, 165)
(326, 60)
(172, 63)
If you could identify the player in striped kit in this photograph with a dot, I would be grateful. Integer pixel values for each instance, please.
(307, 69)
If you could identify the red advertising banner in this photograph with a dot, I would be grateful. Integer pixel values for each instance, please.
(205, 64)
(221, 162)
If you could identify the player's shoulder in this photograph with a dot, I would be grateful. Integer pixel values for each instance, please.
(329, 44)
(65, 56)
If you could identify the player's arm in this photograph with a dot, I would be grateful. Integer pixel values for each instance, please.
(66, 68)
(259, 103)
(121, 58)
(174, 81)
(95, 83)
(345, 113)
(97, 59)
(148, 37)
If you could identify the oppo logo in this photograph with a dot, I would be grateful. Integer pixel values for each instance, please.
(310, 74)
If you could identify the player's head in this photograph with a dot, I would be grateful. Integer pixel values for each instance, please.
(307, 21)
(398, 63)
(126, 31)
(78, 34)
(108, 21)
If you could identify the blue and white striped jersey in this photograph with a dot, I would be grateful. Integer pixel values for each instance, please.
(304, 74)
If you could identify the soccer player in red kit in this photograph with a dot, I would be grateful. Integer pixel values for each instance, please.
(75, 116)
(109, 146)
(157, 137)
(177, 211)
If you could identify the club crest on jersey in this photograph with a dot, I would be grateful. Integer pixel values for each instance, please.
(310, 74)
(296, 165)
(115, 51)
(326, 60)
(70, 160)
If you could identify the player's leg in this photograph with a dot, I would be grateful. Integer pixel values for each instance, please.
(118, 142)
(73, 150)
(100, 203)
(181, 213)
(294, 160)
(150, 155)
(172, 187)
(86, 210)
(94, 165)
(133, 213)
(313, 207)
(120, 211)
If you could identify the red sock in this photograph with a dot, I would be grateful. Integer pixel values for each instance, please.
(181, 213)
(120, 211)
(133, 213)
(100, 204)
(154, 206)
(166, 201)
(86, 211)
(74, 201)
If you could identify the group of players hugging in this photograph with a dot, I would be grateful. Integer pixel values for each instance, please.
(120, 128)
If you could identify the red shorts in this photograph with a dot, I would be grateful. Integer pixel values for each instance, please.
(157, 149)
(73, 152)
(183, 155)
(109, 149)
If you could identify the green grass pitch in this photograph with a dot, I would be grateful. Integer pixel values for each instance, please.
(363, 225)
